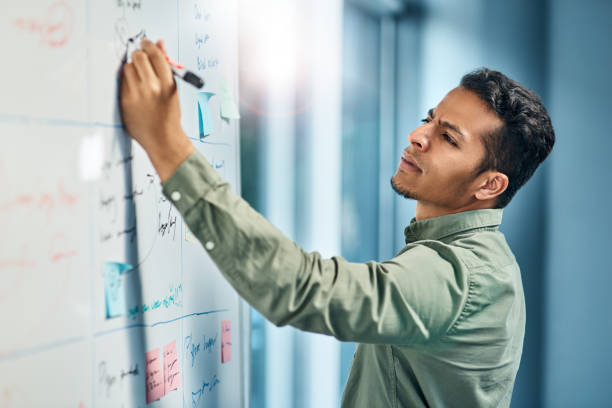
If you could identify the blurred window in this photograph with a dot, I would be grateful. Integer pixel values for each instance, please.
(281, 373)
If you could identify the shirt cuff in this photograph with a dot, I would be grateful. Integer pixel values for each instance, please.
(193, 179)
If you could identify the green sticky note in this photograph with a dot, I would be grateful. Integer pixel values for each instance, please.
(229, 109)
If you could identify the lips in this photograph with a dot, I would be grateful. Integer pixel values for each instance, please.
(409, 164)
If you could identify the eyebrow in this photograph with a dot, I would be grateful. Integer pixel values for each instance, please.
(446, 124)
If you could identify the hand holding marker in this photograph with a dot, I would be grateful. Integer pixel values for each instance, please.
(176, 68)
(187, 76)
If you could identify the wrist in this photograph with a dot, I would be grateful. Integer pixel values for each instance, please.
(167, 156)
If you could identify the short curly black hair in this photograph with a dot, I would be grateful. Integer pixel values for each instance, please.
(519, 146)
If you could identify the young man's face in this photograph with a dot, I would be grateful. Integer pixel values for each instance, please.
(438, 168)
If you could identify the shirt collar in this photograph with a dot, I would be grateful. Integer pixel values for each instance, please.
(446, 225)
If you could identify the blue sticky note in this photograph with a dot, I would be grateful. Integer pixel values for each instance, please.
(114, 291)
(205, 123)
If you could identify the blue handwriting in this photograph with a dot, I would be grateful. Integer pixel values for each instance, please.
(173, 298)
(194, 348)
(207, 387)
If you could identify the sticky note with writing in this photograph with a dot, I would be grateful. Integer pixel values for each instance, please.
(226, 341)
(205, 124)
(114, 292)
(229, 110)
(154, 379)
(172, 373)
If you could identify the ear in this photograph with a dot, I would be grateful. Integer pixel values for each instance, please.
(493, 184)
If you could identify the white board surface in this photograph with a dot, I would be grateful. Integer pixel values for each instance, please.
(78, 194)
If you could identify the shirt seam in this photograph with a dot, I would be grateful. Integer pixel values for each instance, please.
(219, 257)
(394, 371)
(467, 301)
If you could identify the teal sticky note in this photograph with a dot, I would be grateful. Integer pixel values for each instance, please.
(114, 292)
(205, 123)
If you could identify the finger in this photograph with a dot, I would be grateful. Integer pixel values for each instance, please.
(157, 56)
(129, 78)
(162, 45)
(143, 67)
(130, 73)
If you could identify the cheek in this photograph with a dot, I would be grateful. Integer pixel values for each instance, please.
(452, 174)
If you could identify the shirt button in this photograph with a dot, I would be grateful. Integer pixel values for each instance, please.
(209, 245)
(175, 196)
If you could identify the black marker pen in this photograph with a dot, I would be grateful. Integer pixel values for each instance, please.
(176, 68)
(187, 76)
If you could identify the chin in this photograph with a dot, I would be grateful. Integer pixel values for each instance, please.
(401, 190)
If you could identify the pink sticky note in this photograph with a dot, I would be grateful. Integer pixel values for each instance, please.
(226, 341)
(172, 373)
(154, 379)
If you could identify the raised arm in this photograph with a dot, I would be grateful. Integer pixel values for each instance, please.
(412, 298)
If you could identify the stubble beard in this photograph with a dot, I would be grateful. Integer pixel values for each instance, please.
(402, 191)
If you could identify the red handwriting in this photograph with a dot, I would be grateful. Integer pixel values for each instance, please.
(44, 201)
(55, 28)
(59, 248)
(16, 263)
(58, 256)
(21, 263)
(64, 196)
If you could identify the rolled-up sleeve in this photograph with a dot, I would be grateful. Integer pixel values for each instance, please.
(411, 298)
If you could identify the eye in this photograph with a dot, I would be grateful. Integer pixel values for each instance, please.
(426, 120)
(449, 139)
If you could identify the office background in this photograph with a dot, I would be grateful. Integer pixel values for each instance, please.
(330, 90)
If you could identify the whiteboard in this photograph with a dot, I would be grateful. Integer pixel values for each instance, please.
(79, 198)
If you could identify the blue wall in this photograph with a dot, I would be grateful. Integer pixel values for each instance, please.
(578, 322)
(558, 224)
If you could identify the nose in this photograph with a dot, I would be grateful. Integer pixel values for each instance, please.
(419, 137)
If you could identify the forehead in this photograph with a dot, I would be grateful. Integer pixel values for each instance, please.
(465, 109)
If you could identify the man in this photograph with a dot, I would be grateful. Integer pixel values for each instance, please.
(442, 323)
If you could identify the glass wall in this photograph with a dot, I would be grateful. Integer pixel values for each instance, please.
(330, 90)
(316, 79)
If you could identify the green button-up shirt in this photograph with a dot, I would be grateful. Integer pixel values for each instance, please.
(439, 325)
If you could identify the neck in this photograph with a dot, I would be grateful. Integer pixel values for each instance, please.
(425, 210)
